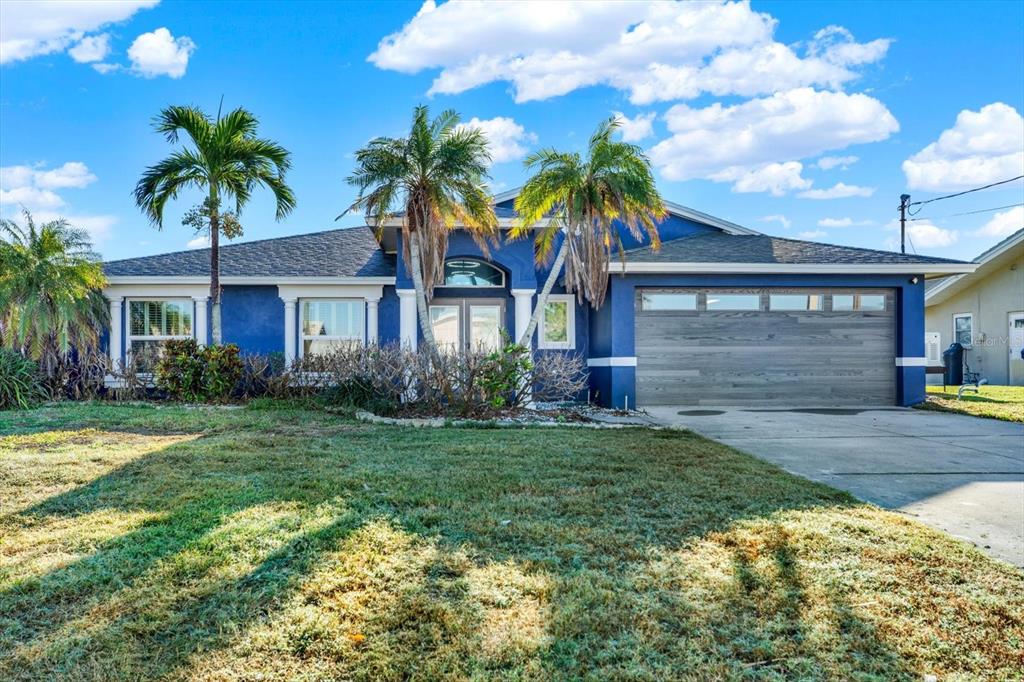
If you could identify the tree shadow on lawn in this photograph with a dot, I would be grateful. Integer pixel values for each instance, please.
(394, 553)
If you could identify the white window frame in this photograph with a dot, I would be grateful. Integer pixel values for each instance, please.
(445, 285)
(570, 311)
(956, 339)
(303, 337)
(160, 337)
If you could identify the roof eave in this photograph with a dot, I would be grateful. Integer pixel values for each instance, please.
(954, 285)
(246, 279)
(926, 269)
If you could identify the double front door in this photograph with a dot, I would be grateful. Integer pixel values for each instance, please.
(467, 323)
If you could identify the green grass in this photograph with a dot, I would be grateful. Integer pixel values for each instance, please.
(994, 402)
(282, 543)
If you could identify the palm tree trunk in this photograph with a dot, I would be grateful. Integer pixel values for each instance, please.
(214, 269)
(421, 294)
(542, 297)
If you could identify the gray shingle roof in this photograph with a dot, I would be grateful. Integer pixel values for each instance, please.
(349, 252)
(716, 247)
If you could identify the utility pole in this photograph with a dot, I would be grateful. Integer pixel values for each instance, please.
(904, 200)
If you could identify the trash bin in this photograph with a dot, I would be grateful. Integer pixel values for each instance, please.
(953, 360)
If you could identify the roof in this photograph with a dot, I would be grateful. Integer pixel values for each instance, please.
(717, 247)
(1008, 249)
(348, 252)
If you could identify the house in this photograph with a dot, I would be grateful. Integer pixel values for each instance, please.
(984, 311)
(720, 315)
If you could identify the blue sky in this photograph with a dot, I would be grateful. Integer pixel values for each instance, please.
(805, 120)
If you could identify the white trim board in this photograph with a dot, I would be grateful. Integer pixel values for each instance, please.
(619, 361)
(239, 279)
(792, 268)
(911, 362)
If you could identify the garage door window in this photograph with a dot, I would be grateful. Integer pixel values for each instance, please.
(796, 302)
(733, 301)
(858, 302)
(668, 301)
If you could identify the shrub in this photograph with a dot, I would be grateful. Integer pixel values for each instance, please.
(187, 372)
(222, 370)
(20, 384)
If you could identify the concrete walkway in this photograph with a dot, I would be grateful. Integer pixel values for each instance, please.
(964, 475)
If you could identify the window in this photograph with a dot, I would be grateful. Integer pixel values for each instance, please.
(667, 300)
(858, 302)
(795, 302)
(558, 323)
(330, 323)
(733, 301)
(472, 273)
(963, 329)
(151, 323)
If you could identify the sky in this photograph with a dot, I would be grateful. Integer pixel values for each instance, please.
(798, 119)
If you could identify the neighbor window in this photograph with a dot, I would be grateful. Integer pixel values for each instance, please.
(858, 302)
(558, 323)
(151, 323)
(472, 273)
(795, 302)
(330, 323)
(733, 301)
(667, 300)
(963, 329)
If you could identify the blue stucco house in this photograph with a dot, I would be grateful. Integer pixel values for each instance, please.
(721, 314)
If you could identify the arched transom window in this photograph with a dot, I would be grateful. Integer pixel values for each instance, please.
(462, 272)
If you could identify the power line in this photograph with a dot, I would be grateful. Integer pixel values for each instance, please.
(966, 191)
(980, 210)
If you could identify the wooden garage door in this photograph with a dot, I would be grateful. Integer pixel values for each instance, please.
(809, 347)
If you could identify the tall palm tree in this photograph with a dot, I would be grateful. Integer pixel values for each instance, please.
(434, 178)
(50, 290)
(226, 161)
(576, 202)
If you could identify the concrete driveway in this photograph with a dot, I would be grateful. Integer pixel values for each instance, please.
(964, 475)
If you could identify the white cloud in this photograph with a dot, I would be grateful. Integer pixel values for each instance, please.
(32, 188)
(640, 127)
(982, 147)
(788, 125)
(105, 68)
(812, 234)
(159, 53)
(507, 138)
(200, 242)
(830, 162)
(843, 222)
(922, 234)
(780, 219)
(655, 50)
(777, 178)
(29, 28)
(1003, 224)
(840, 190)
(91, 48)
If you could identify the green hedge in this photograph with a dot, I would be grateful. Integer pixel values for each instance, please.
(193, 374)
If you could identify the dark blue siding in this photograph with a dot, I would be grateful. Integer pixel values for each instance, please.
(253, 318)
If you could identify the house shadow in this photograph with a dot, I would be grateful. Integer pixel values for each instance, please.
(243, 530)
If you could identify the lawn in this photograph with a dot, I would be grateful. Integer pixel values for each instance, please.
(994, 402)
(277, 542)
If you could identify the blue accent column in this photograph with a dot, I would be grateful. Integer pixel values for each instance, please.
(612, 340)
(910, 380)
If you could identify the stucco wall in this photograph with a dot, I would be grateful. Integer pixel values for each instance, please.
(989, 300)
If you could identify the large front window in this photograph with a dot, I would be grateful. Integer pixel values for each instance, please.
(330, 323)
(151, 324)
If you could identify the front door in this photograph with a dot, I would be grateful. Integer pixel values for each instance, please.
(1016, 343)
(467, 323)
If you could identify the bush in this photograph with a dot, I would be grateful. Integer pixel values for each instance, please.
(190, 373)
(20, 381)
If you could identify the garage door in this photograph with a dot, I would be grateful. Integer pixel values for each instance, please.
(810, 347)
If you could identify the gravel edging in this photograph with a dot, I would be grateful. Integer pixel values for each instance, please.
(442, 422)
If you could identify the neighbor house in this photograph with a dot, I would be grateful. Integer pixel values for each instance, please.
(984, 311)
(719, 315)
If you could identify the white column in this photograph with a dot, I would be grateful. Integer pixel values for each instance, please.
(524, 309)
(115, 332)
(371, 320)
(200, 322)
(407, 318)
(289, 331)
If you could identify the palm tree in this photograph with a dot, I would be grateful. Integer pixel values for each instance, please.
(577, 202)
(50, 290)
(227, 161)
(434, 178)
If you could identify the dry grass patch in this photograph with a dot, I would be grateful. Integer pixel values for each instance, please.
(291, 544)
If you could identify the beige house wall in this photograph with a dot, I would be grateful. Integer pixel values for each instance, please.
(989, 300)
